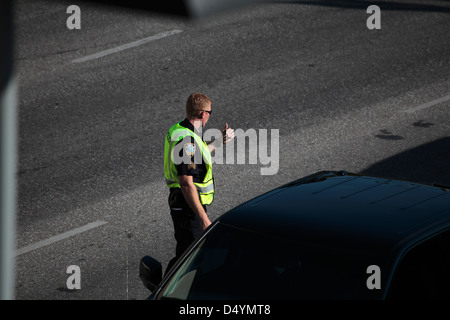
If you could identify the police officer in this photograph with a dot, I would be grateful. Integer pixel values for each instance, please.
(188, 171)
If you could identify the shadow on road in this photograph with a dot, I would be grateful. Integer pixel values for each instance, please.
(384, 5)
(428, 164)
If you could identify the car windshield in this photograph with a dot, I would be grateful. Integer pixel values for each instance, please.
(231, 263)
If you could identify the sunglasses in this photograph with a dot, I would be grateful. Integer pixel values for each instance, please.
(209, 111)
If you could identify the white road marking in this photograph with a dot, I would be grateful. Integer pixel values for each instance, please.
(58, 237)
(127, 46)
(429, 104)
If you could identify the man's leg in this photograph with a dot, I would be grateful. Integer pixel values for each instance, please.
(183, 235)
(195, 227)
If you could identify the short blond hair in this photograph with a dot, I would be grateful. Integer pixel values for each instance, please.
(196, 103)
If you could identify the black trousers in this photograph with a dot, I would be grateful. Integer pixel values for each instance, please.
(186, 227)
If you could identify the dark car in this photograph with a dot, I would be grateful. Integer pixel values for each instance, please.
(330, 235)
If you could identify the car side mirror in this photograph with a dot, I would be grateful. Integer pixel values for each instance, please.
(150, 272)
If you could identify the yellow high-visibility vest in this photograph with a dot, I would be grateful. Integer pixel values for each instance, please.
(206, 187)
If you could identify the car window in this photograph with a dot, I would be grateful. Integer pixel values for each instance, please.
(424, 271)
(235, 264)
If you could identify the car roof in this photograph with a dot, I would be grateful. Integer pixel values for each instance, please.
(357, 212)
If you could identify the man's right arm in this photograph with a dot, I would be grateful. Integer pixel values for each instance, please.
(191, 196)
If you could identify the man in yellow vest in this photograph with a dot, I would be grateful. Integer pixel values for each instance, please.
(188, 171)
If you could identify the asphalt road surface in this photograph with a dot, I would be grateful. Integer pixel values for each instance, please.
(95, 104)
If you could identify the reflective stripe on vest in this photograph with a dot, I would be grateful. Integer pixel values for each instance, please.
(205, 188)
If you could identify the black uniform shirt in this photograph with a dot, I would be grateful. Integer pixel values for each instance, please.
(196, 169)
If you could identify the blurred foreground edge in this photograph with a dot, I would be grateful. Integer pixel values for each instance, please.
(184, 8)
